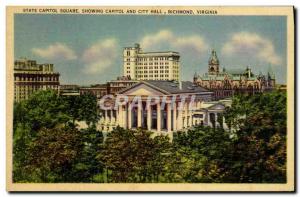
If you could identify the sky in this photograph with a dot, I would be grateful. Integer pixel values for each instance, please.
(87, 49)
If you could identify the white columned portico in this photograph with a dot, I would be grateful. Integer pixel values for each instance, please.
(158, 115)
(169, 126)
(149, 117)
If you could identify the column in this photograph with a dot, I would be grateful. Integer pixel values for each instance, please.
(105, 116)
(185, 115)
(190, 123)
(224, 124)
(112, 118)
(179, 119)
(124, 114)
(139, 118)
(208, 119)
(149, 117)
(120, 116)
(129, 116)
(169, 126)
(174, 117)
(198, 104)
(216, 120)
(158, 112)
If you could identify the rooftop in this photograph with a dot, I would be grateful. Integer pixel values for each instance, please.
(172, 87)
(159, 53)
(236, 71)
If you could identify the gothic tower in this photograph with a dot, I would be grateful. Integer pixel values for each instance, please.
(213, 63)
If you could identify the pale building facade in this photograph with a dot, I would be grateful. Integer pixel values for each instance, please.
(30, 77)
(139, 65)
(169, 113)
(97, 90)
(122, 82)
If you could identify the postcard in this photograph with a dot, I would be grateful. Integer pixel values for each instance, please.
(150, 99)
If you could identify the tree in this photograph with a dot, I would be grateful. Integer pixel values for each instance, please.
(204, 152)
(134, 156)
(44, 109)
(260, 146)
(52, 153)
(82, 108)
(46, 112)
(86, 167)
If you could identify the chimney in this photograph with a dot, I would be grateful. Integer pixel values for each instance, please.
(180, 85)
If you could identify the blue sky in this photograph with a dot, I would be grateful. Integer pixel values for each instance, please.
(87, 49)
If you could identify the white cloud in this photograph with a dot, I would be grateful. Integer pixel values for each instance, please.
(99, 56)
(152, 40)
(55, 51)
(250, 45)
(194, 44)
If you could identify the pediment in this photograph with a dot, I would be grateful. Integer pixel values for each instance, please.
(143, 90)
(217, 107)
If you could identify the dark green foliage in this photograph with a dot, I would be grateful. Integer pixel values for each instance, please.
(51, 154)
(45, 134)
(134, 156)
(207, 151)
(260, 145)
(82, 108)
(86, 166)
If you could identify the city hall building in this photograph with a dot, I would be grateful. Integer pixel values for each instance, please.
(226, 82)
(170, 113)
(139, 65)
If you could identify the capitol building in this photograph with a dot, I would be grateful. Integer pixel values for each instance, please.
(170, 113)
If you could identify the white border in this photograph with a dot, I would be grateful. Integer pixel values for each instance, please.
(5, 3)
